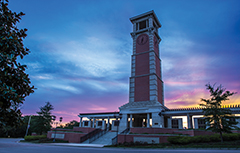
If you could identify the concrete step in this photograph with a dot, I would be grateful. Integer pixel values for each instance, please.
(85, 142)
(106, 139)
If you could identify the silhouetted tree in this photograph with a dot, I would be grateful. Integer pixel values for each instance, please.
(14, 82)
(71, 124)
(42, 123)
(218, 119)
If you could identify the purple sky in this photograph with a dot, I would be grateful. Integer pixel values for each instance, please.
(81, 50)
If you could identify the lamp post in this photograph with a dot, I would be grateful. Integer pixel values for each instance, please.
(56, 123)
(28, 126)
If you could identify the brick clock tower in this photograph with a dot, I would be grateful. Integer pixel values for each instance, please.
(146, 86)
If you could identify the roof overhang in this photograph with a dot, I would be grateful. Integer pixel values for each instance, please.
(132, 19)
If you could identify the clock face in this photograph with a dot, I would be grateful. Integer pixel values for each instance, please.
(142, 39)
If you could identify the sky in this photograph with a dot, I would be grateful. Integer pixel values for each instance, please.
(81, 50)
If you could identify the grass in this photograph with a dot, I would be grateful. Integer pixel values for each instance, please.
(68, 131)
(226, 144)
(41, 139)
(45, 141)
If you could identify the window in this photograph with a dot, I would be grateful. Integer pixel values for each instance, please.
(175, 123)
(116, 123)
(142, 25)
(99, 123)
(201, 124)
(86, 123)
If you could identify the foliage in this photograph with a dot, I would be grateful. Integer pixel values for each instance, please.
(218, 119)
(42, 122)
(183, 140)
(14, 83)
(227, 144)
(71, 124)
(35, 137)
(13, 132)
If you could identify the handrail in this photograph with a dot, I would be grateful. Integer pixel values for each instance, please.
(114, 140)
(89, 135)
(99, 134)
(94, 135)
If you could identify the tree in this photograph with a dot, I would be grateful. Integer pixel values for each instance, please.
(71, 124)
(14, 82)
(218, 119)
(42, 122)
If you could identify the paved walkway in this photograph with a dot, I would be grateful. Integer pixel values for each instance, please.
(77, 145)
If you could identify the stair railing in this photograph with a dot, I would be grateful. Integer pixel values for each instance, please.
(89, 135)
(115, 139)
(98, 135)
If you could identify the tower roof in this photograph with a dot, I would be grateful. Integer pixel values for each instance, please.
(132, 19)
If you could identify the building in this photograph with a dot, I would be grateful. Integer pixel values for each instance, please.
(146, 108)
(146, 99)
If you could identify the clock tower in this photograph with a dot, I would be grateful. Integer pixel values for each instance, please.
(146, 86)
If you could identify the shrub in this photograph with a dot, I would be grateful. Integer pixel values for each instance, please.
(215, 138)
(184, 140)
(203, 139)
(230, 136)
(174, 140)
(199, 139)
(36, 137)
(138, 143)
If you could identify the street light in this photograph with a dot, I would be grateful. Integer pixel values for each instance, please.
(28, 126)
(56, 123)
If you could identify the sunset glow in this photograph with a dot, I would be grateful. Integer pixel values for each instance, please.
(80, 56)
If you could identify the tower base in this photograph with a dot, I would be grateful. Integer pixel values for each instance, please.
(141, 114)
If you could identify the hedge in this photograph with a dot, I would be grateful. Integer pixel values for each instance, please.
(203, 139)
(35, 137)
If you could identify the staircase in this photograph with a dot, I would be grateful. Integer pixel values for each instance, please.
(106, 139)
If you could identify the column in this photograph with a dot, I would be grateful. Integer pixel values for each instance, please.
(93, 122)
(123, 123)
(196, 123)
(170, 122)
(148, 120)
(130, 120)
(189, 121)
(156, 120)
(161, 121)
(80, 124)
(108, 124)
(180, 123)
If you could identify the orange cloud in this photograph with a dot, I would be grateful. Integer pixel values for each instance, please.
(193, 99)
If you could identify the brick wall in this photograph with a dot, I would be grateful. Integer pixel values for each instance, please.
(68, 136)
(130, 137)
(142, 64)
(141, 89)
(152, 130)
(160, 90)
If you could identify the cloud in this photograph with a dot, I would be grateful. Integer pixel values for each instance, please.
(97, 108)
